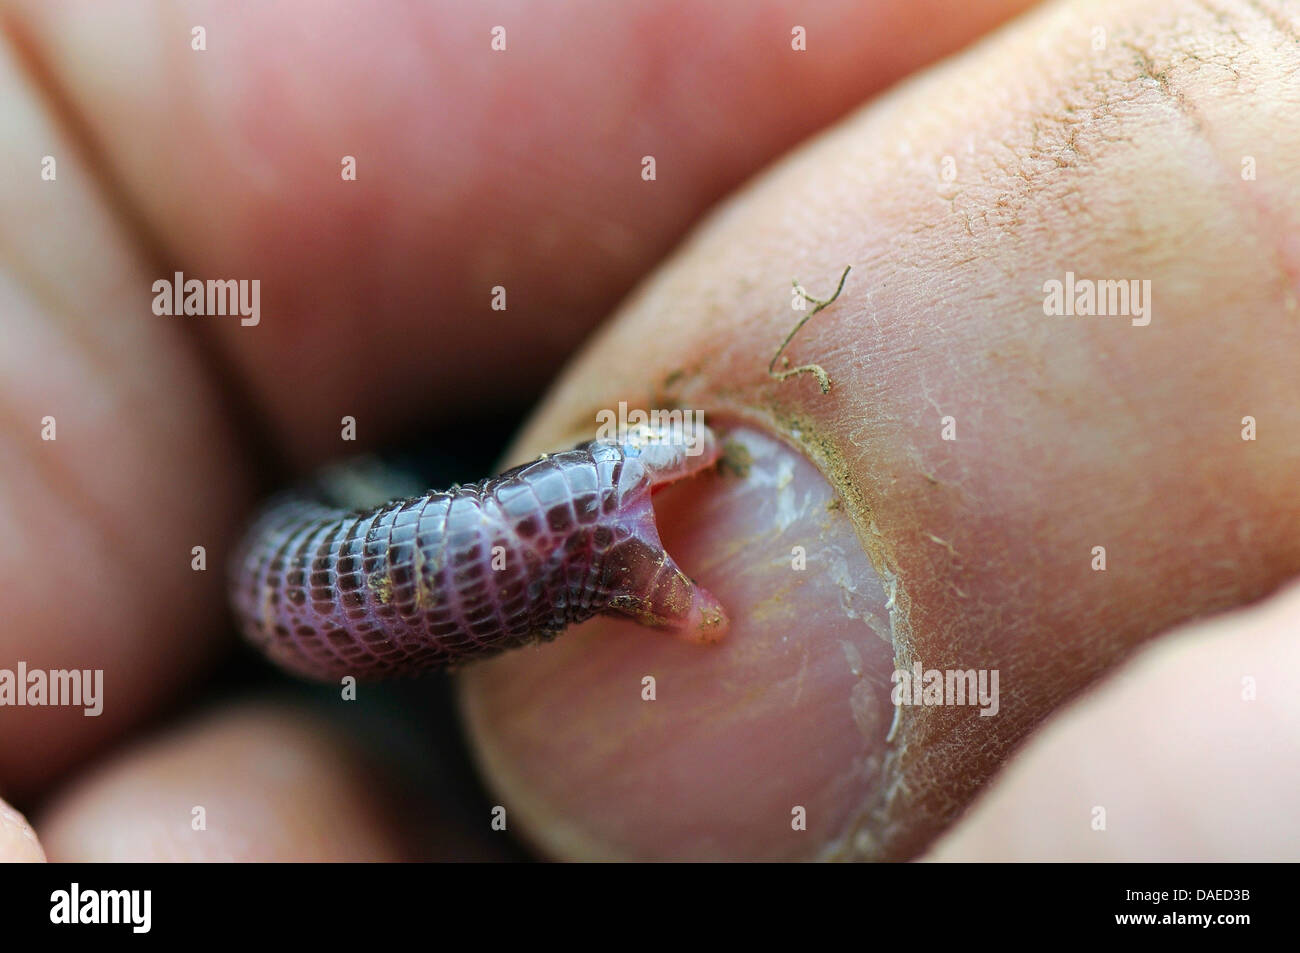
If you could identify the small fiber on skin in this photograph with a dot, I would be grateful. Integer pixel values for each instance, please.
(452, 576)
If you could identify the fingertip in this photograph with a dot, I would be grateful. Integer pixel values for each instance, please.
(18, 842)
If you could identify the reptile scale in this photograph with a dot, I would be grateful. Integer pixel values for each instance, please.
(452, 576)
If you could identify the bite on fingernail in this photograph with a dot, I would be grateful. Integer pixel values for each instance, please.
(615, 744)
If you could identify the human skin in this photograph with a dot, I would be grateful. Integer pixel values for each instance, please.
(1071, 433)
(374, 290)
(268, 780)
(1115, 163)
(1192, 750)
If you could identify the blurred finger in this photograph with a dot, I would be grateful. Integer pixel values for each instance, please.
(1191, 752)
(477, 168)
(18, 843)
(254, 781)
(118, 475)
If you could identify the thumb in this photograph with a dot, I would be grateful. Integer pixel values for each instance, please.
(1036, 492)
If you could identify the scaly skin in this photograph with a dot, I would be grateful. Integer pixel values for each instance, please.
(456, 575)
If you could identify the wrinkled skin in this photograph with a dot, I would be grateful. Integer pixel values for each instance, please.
(1071, 433)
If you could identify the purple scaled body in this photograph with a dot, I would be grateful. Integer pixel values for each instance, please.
(452, 576)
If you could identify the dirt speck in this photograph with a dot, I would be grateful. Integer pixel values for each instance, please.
(736, 459)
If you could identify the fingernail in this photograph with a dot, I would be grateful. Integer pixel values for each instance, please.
(619, 742)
